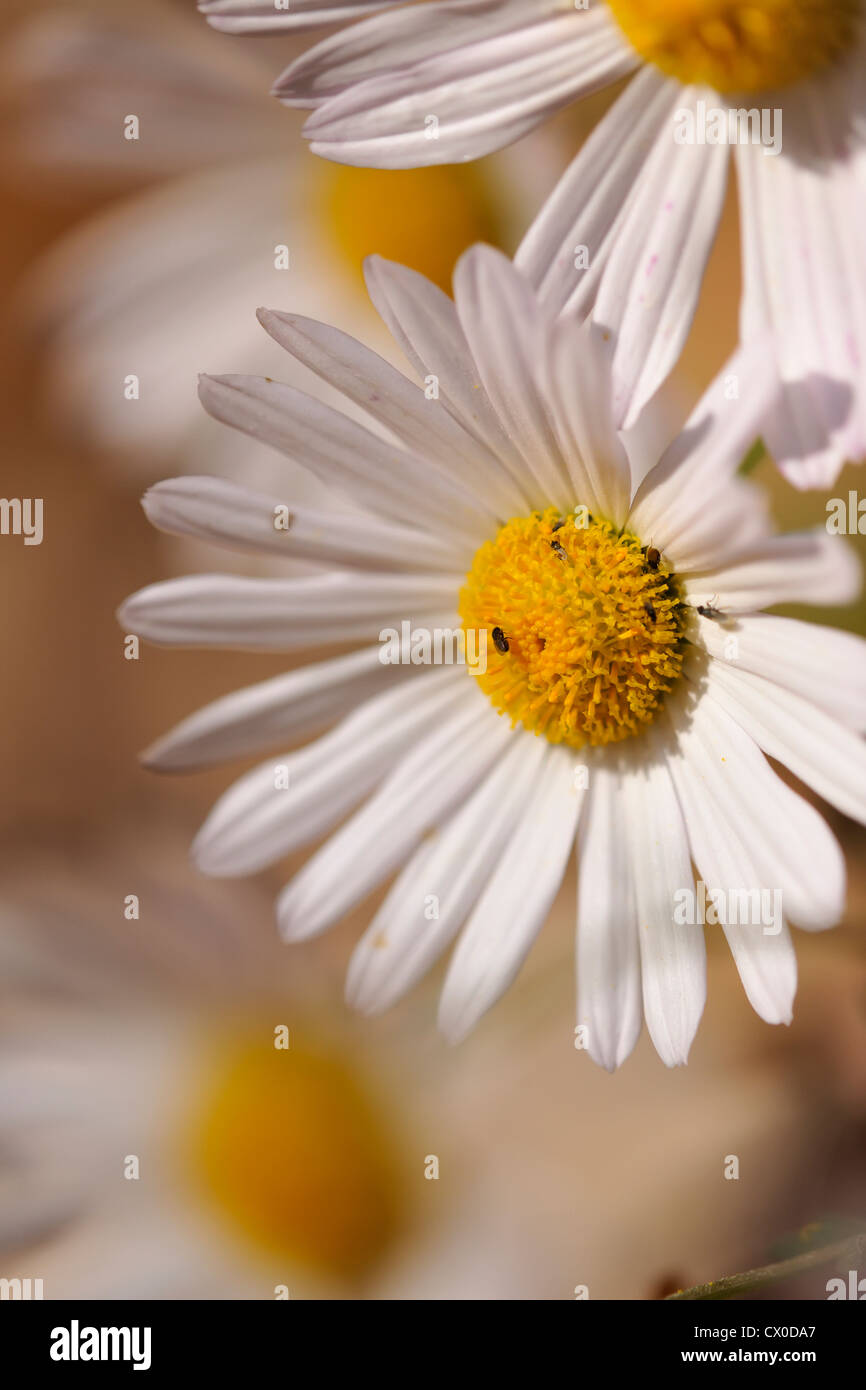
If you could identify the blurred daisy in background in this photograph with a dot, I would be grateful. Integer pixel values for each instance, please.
(262, 1171)
(219, 212)
(605, 605)
(182, 1118)
(452, 80)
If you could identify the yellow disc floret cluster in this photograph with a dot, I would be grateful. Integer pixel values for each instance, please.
(584, 624)
(739, 45)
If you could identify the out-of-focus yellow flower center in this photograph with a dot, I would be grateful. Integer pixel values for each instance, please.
(289, 1149)
(584, 626)
(738, 45)
(423, 218)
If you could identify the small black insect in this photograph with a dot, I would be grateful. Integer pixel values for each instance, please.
(558, 525)
(650, 611)
(500, 641)
(707, 612)
(653, 558)
(560, 550)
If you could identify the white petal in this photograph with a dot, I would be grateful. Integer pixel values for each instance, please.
(647, 210)
(224, 610)
(824, 665)
(285, 708)
(653, 432)
(223, 513)
(812, 567)
(289, 801)
(822, 753)
(381, 476)
(449, 869)
(516, 901)
(484, 94)
(263, 16)
(766, 964)
(608, 952)
(692, 506)
(649, 285)
(590, 199)
(421, 424)
(579, 363)
(507, 336)
(424, 322)
(399, 40)
(673, 956)
(439, 772)
(790, 845)
(803, 216)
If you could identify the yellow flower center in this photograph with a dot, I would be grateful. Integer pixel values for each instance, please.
(287, 1146)
(738, 45)
(423, 218)
(584, 626)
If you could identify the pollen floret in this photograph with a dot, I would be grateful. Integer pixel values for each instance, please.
(595, 633)
(739, 45)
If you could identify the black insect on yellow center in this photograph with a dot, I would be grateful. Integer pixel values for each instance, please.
(587, 627)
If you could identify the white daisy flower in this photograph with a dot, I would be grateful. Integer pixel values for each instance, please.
(632, 686)
(454, 79)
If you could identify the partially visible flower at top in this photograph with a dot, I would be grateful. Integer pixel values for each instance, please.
(450, 80)
(609, 575)
(159, 284)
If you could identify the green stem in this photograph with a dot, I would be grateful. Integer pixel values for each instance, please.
(731, 1285)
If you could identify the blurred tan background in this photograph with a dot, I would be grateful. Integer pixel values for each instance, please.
(552, 1174)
